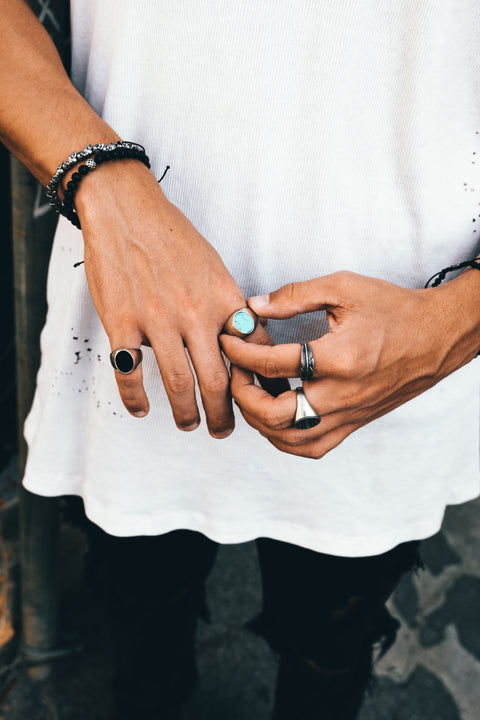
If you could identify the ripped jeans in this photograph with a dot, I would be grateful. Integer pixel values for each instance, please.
(322, 616)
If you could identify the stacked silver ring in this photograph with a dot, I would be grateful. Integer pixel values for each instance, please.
(307, 362)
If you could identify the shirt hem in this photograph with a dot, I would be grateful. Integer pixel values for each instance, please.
(338, 545)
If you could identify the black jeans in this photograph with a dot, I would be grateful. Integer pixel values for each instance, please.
(321, 614)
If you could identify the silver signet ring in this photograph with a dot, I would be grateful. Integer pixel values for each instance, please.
(305, 415)
(126, 360)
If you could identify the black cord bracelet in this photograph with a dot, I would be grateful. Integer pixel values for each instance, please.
(66, 207)
(440, 276)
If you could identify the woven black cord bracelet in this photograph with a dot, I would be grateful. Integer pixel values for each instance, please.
(439, 277)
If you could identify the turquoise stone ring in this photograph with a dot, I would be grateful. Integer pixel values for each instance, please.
(241, 323)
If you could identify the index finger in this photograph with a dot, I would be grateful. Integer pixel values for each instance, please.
(277, 361)
(274, 386)
(276, 412)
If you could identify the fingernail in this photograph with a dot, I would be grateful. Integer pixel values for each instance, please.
(189, 428)
(140, 413)
(259, 300)
(222, 434)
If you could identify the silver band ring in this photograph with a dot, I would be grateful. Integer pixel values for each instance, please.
(307, 362)
(126, 360)
(305, 415)
(241, 323)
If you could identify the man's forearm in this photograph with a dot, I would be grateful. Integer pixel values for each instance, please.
(43, 118)
(460, 299)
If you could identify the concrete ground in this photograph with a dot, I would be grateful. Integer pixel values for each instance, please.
(432, 673)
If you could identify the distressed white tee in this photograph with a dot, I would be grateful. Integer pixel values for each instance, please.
(303, 137)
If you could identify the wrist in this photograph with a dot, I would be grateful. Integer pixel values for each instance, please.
(113, 187)
(62, 191)
(458, 314)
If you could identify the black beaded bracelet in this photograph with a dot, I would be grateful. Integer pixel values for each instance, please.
(67, 207)
(96, 155)
(440, 276)
(51, 190)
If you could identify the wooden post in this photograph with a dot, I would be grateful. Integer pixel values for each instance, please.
(33, 226)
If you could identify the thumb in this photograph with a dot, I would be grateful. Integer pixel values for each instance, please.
(296, 298)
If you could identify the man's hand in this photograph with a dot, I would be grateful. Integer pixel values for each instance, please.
(155, 280)
(386, 345)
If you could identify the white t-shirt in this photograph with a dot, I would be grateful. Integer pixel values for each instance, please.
(303, 137)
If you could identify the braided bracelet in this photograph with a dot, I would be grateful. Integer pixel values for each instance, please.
(440, 276)
(95, 155)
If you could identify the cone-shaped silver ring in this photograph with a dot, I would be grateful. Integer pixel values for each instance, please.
(305, 415)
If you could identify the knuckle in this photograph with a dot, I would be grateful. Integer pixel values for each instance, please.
(298, 441)
(180, 383)
(119, 318)
(171, 356)
(313, 452)
(215, 383)
(347, 364)
(289, 442)
(189, 308)
(295, 294)
(133, 401)
(151, 314)
(129, 385)
(273, 419)
(270, 366)
(291, 290)
(344, 278)
(357, 395)
(133, 396)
